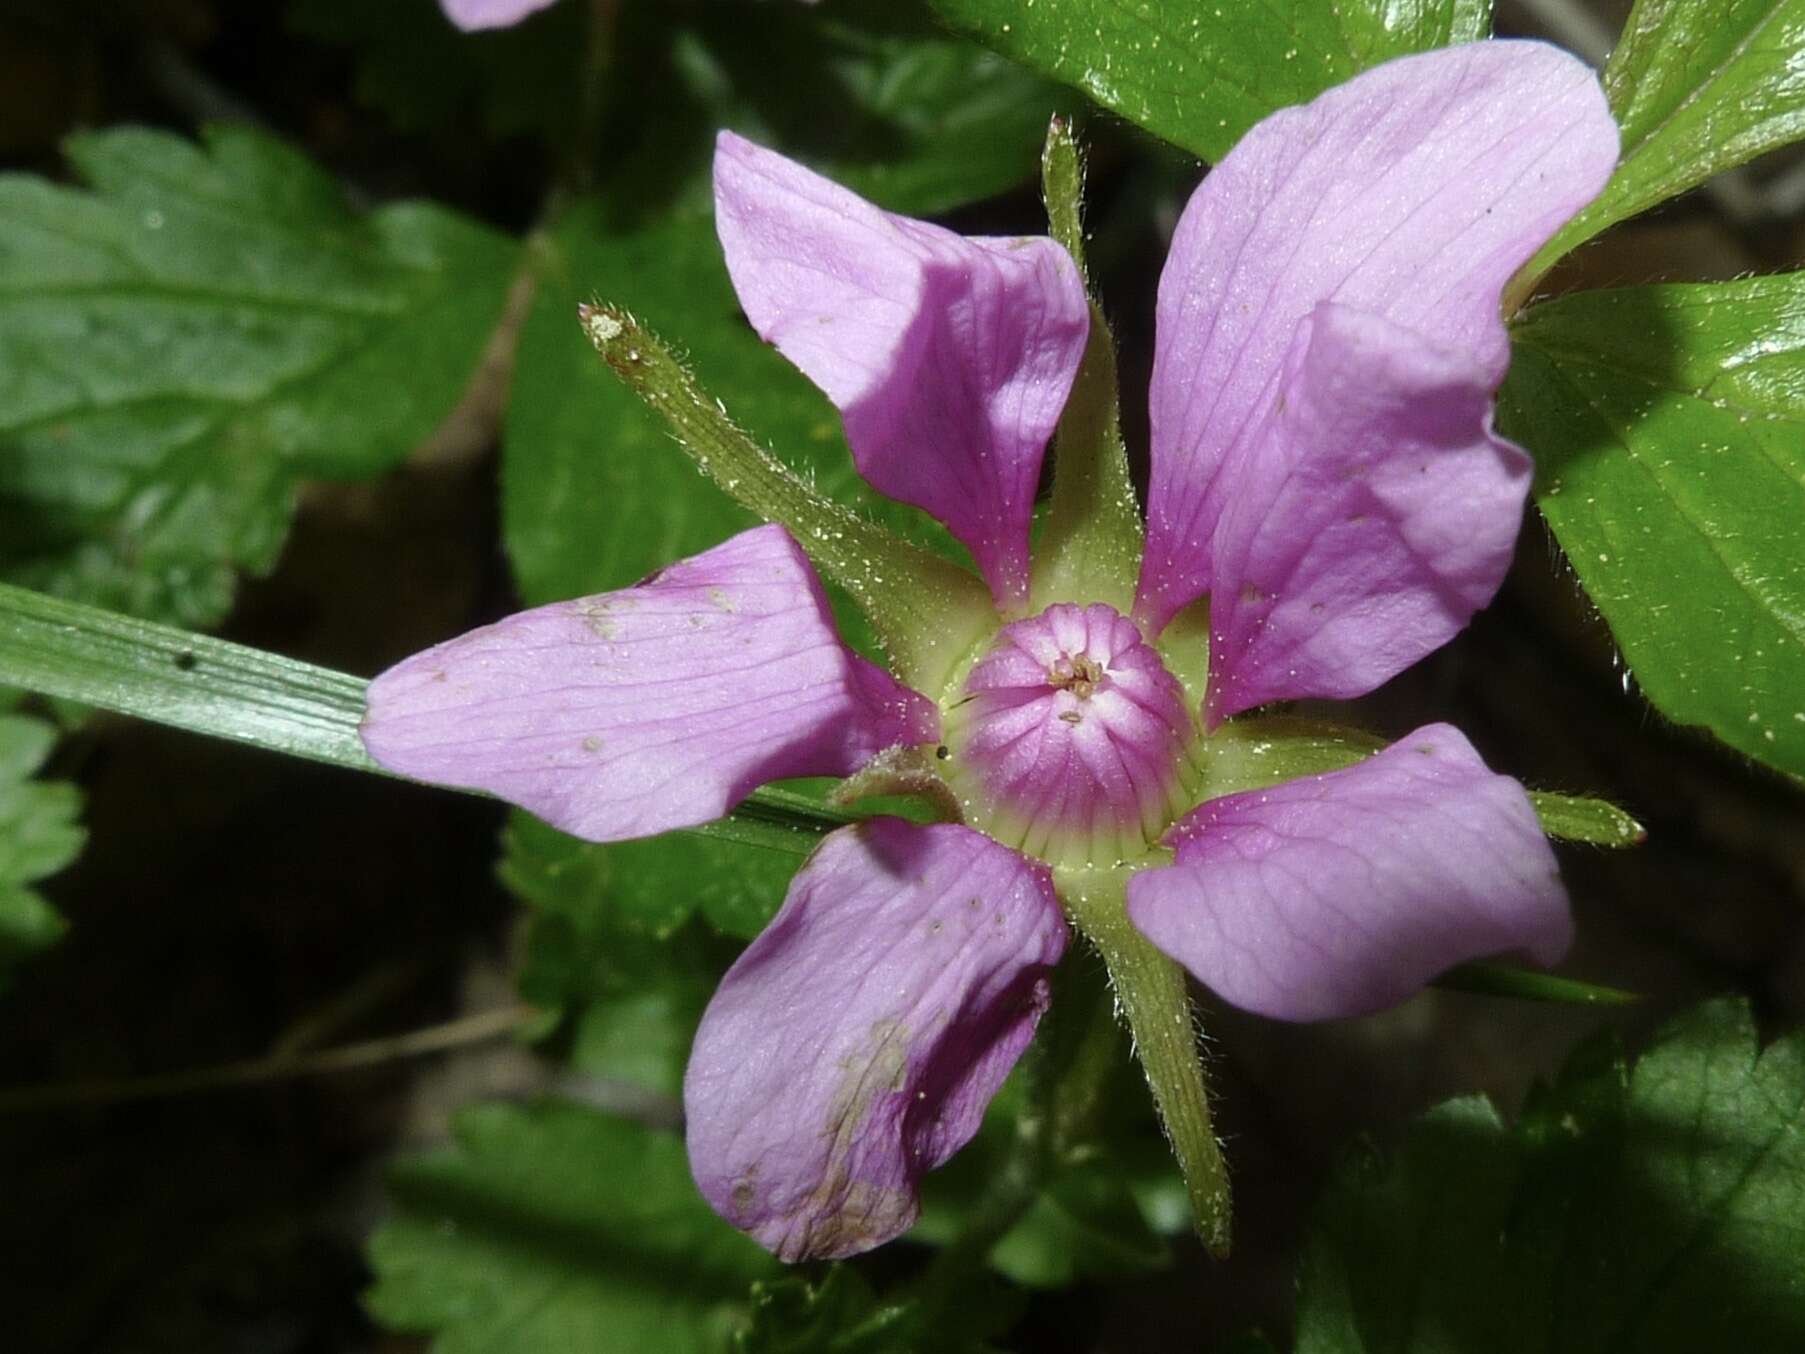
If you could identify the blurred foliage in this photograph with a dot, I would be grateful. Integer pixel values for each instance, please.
(424, 75)
(188, 339)
(1097, 1195)
(840, 1313)
(39, 835)
(649, 887)
(615, 953)
(517, 1240)
(873, 94)
(1656, 1209)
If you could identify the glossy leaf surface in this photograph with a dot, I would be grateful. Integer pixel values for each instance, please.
(1698, 87)
(1199, 73)
(1666, 424)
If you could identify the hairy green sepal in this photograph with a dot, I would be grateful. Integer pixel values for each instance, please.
(1152, 999)
(1090, 549)
(927, 612)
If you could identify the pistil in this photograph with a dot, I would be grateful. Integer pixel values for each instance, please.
(1068, 738)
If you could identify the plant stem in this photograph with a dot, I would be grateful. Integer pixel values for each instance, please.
(459, 1033)
(592, 89)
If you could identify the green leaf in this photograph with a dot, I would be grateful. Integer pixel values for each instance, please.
(624, 1006)
(1503, 980)
(595, 495)
(614, 946)
(840, 1314)
(875, 95)
(1654, 1211)
(39, 835)
(964, 124)
(641, 1037)
(651, 887)
(1200, 73)
(1698, 87)
(185, 340)
(1595, 822)
(553, 1227)
(188, 681)
(1084, 1224)
(1666, 427)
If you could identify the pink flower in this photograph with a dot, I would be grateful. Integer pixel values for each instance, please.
(1323, 468)
(471, 15)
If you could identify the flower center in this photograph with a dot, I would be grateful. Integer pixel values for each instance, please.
(1068, 739)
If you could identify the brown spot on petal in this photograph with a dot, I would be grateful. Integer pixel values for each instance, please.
(745, 1191)
(867, 1214)
(598, 614)
(842, 1215)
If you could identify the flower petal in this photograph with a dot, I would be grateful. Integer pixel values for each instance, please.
(1341, 894)
(1412, 192)
(853, 1047)
(471, 15)
(949, 358)
(655, 707)
(1374, 512)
